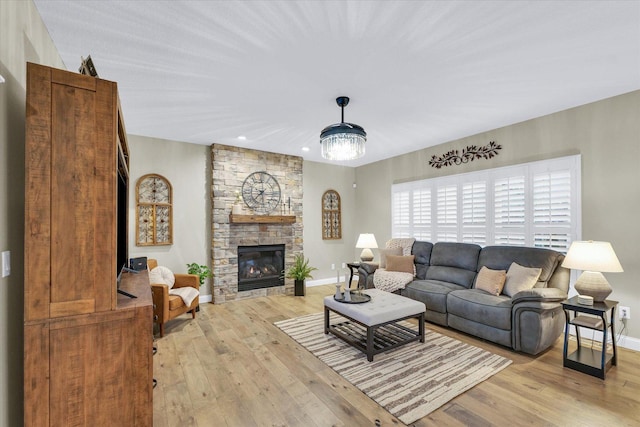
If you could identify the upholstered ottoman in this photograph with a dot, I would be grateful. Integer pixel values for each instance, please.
(373, 326)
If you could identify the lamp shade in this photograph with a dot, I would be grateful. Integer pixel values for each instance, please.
(592, 258)
(366, 241)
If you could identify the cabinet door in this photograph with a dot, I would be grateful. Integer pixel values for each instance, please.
(70, 194)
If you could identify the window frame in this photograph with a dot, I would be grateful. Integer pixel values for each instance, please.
(559, 234)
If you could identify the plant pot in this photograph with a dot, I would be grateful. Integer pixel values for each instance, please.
(299, 288)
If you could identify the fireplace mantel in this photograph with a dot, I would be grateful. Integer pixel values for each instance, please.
(261, 219)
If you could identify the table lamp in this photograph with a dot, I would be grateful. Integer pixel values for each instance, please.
(593, 258)
(366, 241)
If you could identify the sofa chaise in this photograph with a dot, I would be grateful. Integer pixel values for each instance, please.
(445, 277)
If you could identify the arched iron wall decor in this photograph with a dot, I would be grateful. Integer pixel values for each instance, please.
(469, 154)
(154, 211)
(331, 216)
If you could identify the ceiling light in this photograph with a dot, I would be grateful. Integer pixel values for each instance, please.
(305, 149)
(242, 138)
(1, 79)
(343, 141)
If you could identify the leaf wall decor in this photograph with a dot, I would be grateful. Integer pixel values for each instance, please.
(469, 154)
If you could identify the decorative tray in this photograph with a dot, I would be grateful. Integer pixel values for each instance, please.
(355, 298)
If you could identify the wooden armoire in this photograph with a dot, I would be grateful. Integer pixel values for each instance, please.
(87, 349)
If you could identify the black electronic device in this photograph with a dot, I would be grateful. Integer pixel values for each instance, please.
(122, 270)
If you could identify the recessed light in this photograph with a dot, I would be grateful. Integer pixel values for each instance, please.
(305, 149)
(1, 79)
(242, 138)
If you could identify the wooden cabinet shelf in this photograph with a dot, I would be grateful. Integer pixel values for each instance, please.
(87, 349)
(261, 219)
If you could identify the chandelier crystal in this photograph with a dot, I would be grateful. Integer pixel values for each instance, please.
(343, 141)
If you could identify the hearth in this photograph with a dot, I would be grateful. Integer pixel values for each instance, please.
(260, 266)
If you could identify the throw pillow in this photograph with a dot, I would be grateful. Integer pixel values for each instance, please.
(491, 281)
(388, 251)
(520, 278)
(400, 263)
(162, 275)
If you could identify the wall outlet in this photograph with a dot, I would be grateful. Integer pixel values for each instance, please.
(624, 312)
(344, 265)
(333, 266)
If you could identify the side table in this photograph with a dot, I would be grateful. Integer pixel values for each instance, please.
(353, 267)
(585, 359)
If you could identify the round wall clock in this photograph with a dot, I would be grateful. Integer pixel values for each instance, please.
(261, 192)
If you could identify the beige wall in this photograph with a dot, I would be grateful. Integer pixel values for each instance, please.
(607, 135)
(23, 37)
(187, 168)
(318, 178)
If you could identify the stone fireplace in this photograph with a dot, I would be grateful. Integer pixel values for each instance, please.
(281, 227)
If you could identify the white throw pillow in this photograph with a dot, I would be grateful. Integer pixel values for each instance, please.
(162, 275)
(520, 278)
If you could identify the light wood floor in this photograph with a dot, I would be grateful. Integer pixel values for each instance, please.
(232, 367)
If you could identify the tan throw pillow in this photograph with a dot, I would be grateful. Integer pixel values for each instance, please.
(385, 252)
(520, 278)
(400, 263)
(491, 281)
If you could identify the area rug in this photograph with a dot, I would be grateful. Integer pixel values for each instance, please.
(411, 381)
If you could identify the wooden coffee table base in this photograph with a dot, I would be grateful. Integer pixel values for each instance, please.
(374, 339)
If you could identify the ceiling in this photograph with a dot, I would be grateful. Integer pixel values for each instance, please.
(419, 73)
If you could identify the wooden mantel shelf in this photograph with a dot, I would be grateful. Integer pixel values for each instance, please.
(261, 219)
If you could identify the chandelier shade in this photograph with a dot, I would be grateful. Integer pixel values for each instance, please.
(343, 141)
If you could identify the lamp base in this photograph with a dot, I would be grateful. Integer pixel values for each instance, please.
(594, 284)
(366, 255)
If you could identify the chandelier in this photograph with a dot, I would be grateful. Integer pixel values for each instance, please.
(343, 141)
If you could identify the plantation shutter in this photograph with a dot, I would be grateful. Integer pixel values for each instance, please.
(533, 204)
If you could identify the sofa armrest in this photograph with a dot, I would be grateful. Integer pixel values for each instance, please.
(540, 295)
(184, 280)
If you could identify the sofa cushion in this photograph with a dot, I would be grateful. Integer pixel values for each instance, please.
(388, 251)
(400, 263)
(491, 281)
(454, 275)
(431, 292)
(479, 306)
(501, 257)
(453, 262)
(520, 278)
(175, 302)
(459, 255)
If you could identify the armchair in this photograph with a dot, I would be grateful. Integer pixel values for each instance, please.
(167, 306)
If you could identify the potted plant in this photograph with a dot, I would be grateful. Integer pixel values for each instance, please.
(299, 271)
(202, 271)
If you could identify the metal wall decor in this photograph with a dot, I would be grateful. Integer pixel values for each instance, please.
(469, 154)
(331, 216)
(154, 211)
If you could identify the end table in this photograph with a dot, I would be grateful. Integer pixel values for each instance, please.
(585, 359)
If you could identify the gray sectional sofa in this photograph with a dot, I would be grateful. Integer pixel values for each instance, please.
(529, 321)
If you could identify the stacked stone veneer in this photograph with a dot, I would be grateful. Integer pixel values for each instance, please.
(230, 167)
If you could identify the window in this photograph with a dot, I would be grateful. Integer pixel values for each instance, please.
(154, 214)
(532, 204)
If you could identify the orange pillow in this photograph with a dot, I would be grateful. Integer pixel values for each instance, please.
(400, 263)
(491, 281)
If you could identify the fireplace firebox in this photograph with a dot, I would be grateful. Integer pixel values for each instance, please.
(260, 267)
